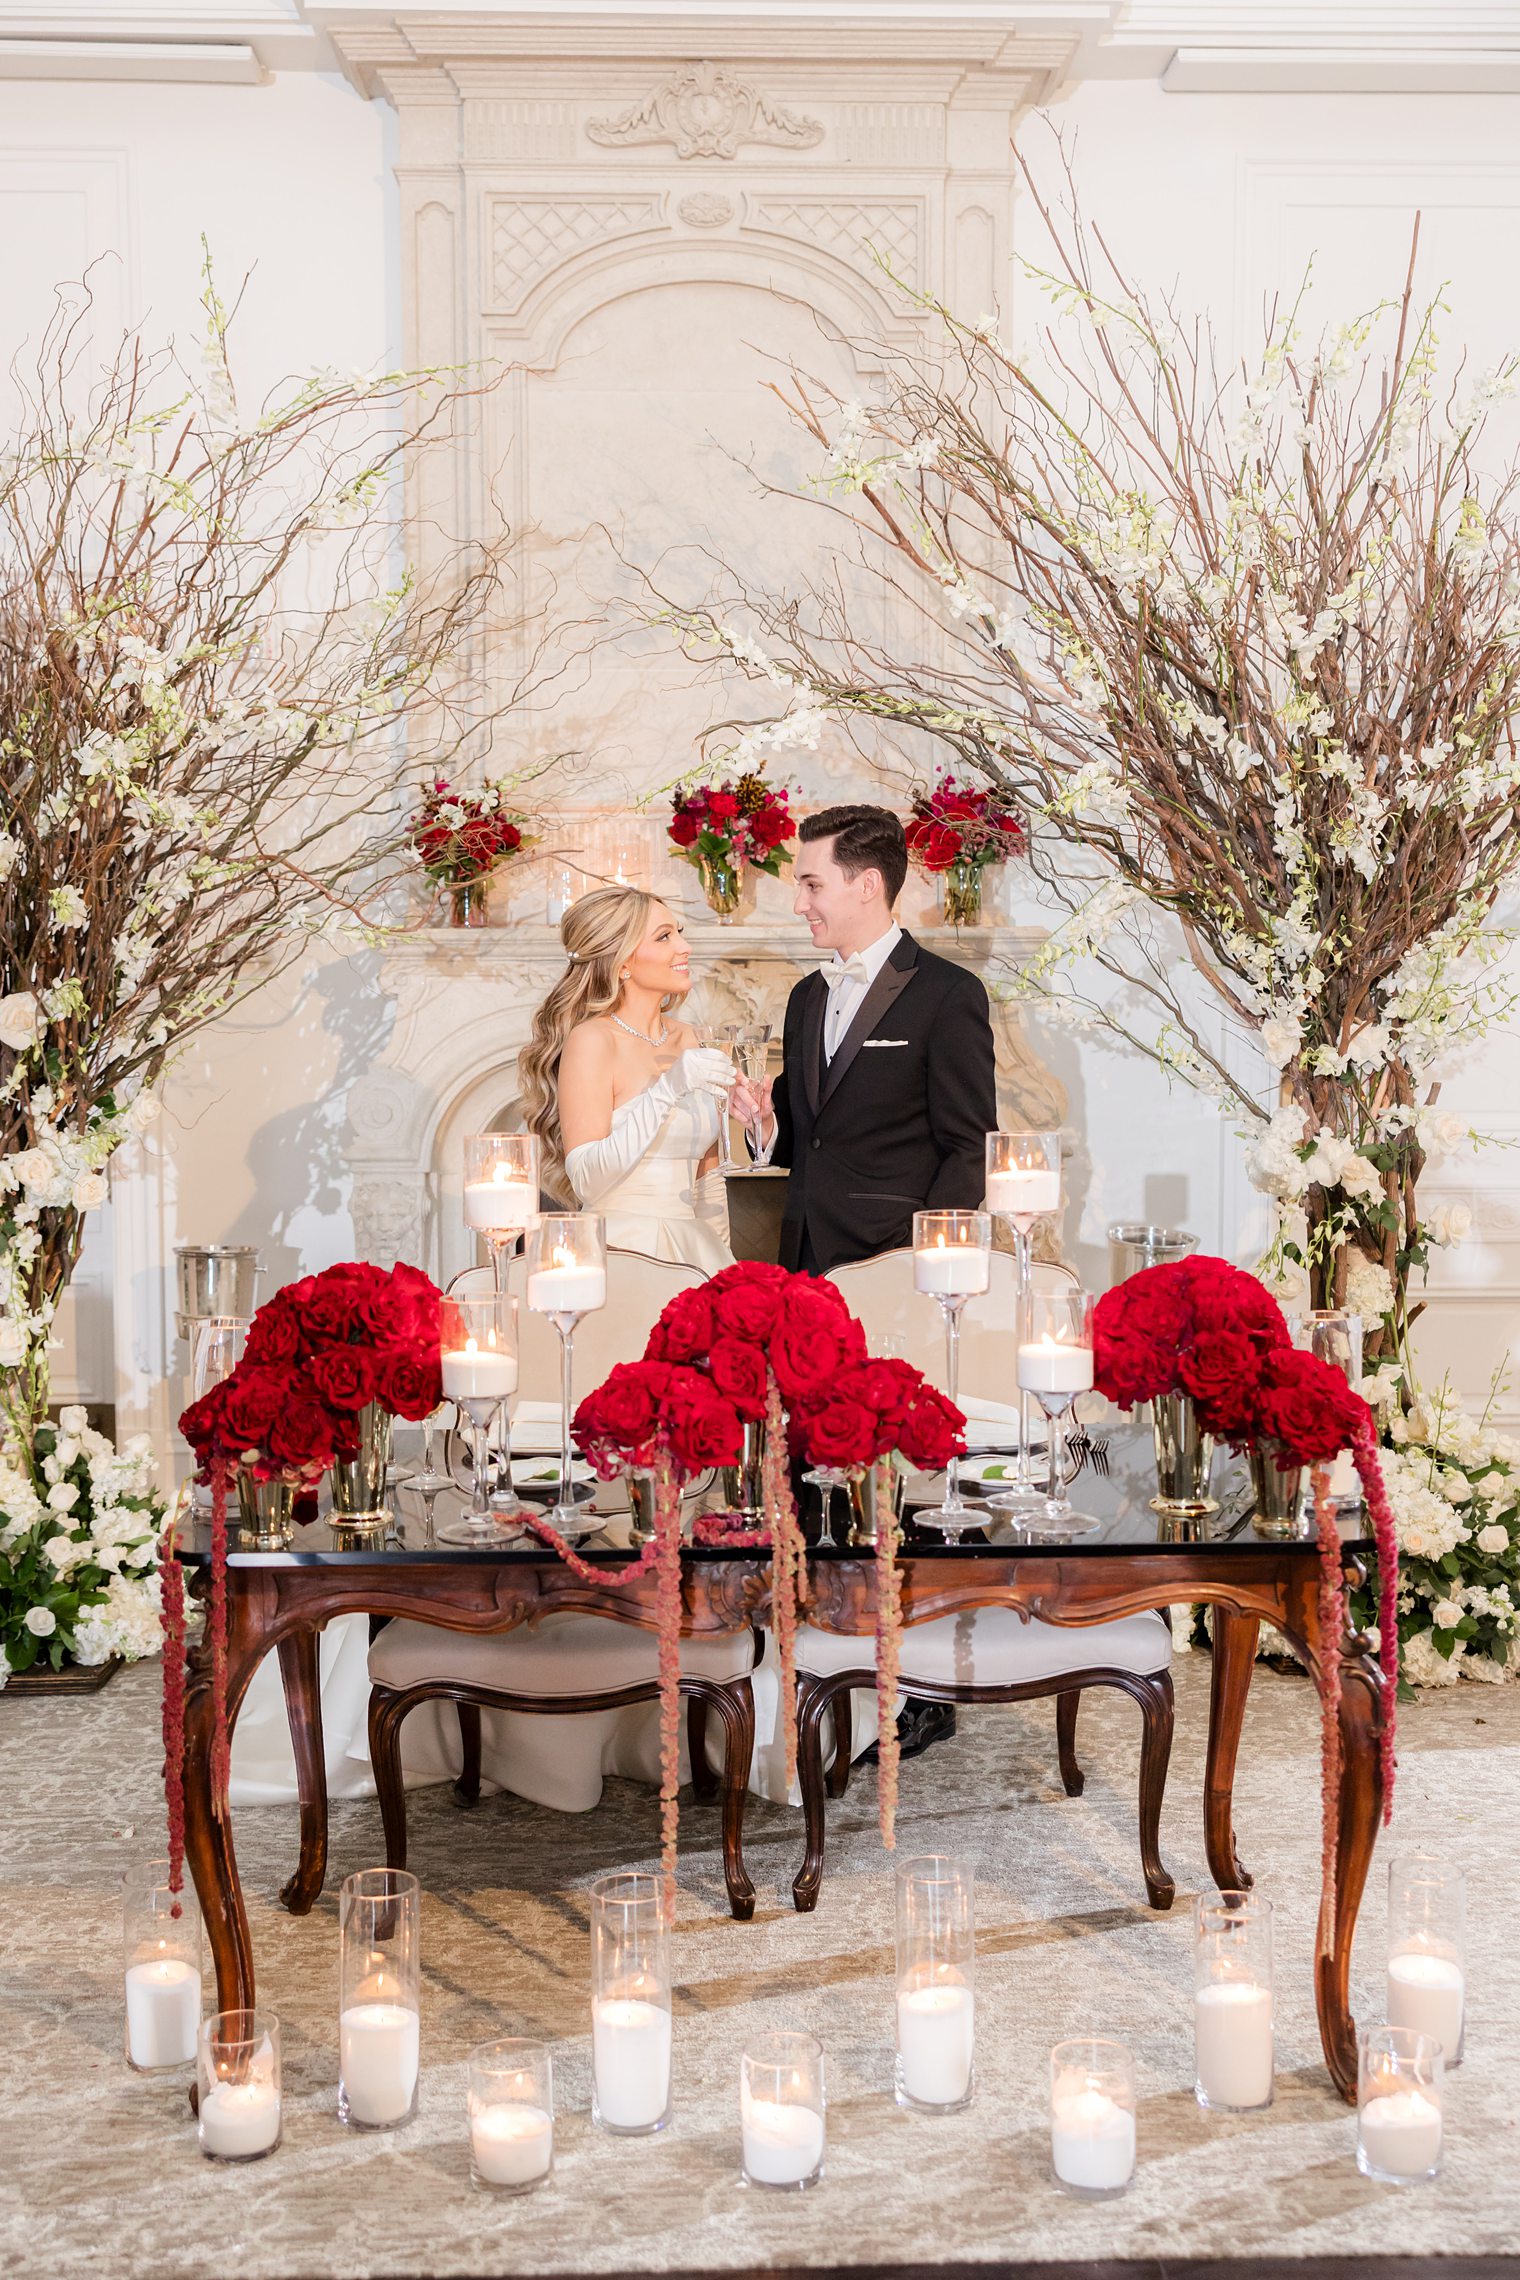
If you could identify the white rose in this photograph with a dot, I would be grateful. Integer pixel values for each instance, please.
(1456, 1487)
(12, 1345)
(1358, 1177)
(1280, 1040)
(1449, 1223)
(20, 1020)
(72, 1419)
(41, 1622)
(33, 1167)
(63, 1496)
(1446, 1614)
(90, 1191)
(143, 1111)
(1493, 1538)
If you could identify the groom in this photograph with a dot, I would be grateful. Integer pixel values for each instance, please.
(887, 1087)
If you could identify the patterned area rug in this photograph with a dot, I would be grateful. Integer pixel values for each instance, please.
(110, 2181)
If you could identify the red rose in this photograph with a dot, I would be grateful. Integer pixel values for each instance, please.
(274, 1335)
(722, 806)
(738, 1372)
(935, 845)
(410, 1382)
(769, 826)
(1221, 1375)
(616, 1425)
(685, 828)
(748, 1311)
(932, 1431)
(842, 1432)
(1307, 1406)
(345, 1376)
(201, 1423)
(703, 1429)
(684, 1330)
(811, 1344)
(302, 1439)
(253, 1399)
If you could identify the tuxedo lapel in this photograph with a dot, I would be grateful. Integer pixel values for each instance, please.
(889, 984)
(813, 1006)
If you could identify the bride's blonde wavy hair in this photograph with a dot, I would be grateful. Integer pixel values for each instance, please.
(600, 932)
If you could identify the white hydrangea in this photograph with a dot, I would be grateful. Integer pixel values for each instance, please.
(1369, 1288)
(1424, 1665)
(126, 1622)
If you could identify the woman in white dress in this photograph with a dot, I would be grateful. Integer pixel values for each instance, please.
(624, 1099)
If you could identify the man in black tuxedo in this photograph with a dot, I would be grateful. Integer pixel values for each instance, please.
(887, 1088)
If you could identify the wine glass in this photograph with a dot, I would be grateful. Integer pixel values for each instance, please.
(501, 1179)
(754, 1056)
(952, 1261)
(426, 1480)
(722, 1037)
(1055, 1365)
(478, 1365)
(1023, 1185)
(567, 1277)
(826, 1479)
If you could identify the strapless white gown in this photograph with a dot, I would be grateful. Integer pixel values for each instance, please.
(662, 1206)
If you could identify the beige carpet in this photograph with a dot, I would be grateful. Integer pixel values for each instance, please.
(104, 2176)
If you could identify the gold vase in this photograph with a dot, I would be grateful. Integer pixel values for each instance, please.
(723, 884)
(963, 894)
(266, 1512)
(865, 1502)
(358, 1483)
(1275, 1495)
(1184, 1457)
(744, 1483)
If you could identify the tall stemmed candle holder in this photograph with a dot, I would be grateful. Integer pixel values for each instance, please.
(379, 1979)
(952, 1261)
(478, 1366)
(567, 1277)
(936, 1983)
(162, 1956)
(1055, 1365)
(238, 2109)
(501, 1173)
(1232, 2002)
(630, 2004)
(1023, 1185)
(1427, 1923)
(781, 2111)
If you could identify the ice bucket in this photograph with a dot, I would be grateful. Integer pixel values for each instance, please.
(214, 1282)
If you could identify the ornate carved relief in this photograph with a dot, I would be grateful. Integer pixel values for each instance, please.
(706, 210)
(531, 236)
(520, 130)
(861, 231)
(387, 1215)
(707, 112)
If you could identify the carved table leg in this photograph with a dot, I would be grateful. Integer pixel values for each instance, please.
(812, 1709)
(704, 1787)
(1073, 1780)
(1235, 1637)
(471, 1742)
(1360, 1806)
(735, 1705)
(301, 1676)
(208, 1820)
(1157, 1707)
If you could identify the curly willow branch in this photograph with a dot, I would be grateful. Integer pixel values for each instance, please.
(888, 1653)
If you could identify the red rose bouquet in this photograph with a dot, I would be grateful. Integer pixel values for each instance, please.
(1195, 1326)
(726, 827)
(955, 831)
(461, 837)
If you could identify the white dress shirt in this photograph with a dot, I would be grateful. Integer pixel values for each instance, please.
(847, 997)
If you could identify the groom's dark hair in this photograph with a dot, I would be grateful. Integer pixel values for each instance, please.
(865, 839)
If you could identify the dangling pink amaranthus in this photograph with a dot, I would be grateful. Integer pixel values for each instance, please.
(888, 1654)
(171, 1585)
(788, 1567)
(1375, 1490)
(667, 1536)
(221, 1747)
(1332, 1634)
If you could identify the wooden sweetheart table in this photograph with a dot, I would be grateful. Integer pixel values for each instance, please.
(1133, 1561)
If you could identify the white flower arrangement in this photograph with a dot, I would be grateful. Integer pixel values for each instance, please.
(80, 1524)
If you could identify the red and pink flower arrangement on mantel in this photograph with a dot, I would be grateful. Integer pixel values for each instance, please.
(1203, 1328)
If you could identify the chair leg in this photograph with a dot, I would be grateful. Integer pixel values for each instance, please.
(735, 1705)
(839, 1764)
(812, 1708)
(1073, 1779)
(300, 1675)
(704, 1784)
(467, 1787)
(386, 1712)
(1156, 1706)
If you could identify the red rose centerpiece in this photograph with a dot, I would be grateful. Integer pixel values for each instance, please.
(956, 830)
(460, 838)
(725, 829)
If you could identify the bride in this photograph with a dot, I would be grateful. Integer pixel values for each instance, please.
(625, 1101)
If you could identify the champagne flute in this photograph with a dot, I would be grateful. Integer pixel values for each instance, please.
(721, 1037)
(754, 1053)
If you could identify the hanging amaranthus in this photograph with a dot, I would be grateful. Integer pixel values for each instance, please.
(888, 1653)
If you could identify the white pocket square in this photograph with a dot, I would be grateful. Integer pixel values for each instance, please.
(869, 1044)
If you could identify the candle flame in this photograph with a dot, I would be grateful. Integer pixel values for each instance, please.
(563, 1255)
(470, 1346)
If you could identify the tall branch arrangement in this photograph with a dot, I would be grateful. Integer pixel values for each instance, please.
(1245, 646)
(202, 763)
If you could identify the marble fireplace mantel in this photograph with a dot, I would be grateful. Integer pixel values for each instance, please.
(464, 1000)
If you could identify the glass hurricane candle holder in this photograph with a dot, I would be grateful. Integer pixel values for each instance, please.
(379, 1977)
(161, 1940)
(501, 1179)
(1336, 1337)
(936, 1983)
(1023, 1185)
(511, 2110)
(1055, 1364)
(1427, 1932)
(1399, 2105)
(238, 2110)
(630, 2005)
(477, 1361)
(1092, 2117)
(1232, 2002)
(781, 2111)
(952, 1261)
(567, 1277)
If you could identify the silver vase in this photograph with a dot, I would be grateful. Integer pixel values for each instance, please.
(865, 1503)
(266, 1512)
(744, 1483)
(1276, 1495)
(358, 1483)
(1184, 1457)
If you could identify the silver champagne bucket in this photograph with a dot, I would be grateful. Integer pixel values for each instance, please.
(214, 1282)
(1133, 1247)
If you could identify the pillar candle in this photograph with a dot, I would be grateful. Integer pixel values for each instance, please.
(499, 1203)
(478, 1373)
(630, 2057)
(510, 2144)
(240, 2119)
(1426, 1992)
(378, 2051)
(935, 2036)
(1232, 2031)
(1092, 2141)
(1024, 1195)
(163, 2012)
(1400, 2133)
(1049, 1366)
(783, 2144)
(567, 1290)
(952, 1270)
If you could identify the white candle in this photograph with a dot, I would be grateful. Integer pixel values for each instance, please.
(1050, 1366)
(1024, 1194)
(163, 2012)
(783, 2144)
(567, 1290)
(478, 1373)
(1232, 2035)
(630, 2057)
(240, 2119)
(378, 2048)
(952, 1270)
(1092, 2140)
(1426, 1992)
(500, 1202)
(1401, 2133)
(935, 2035)
(511, 2145)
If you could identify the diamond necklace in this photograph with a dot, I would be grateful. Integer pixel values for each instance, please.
(629, 1031)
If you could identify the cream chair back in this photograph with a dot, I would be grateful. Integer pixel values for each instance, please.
(880, 1293)
(638, 1288)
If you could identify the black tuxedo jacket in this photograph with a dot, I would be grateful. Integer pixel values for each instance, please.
(896, 1122)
